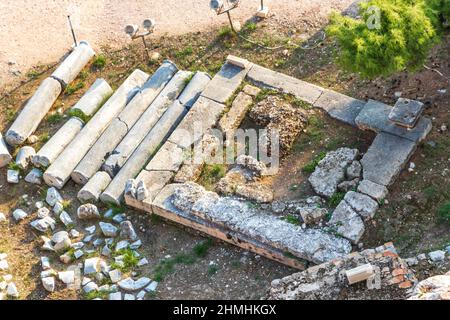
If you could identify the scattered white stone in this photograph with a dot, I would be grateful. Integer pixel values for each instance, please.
(7, 277)
(108, 229)
(59, 236)
(43, 224)
(53, 196)
(115, 296)
(92, 265)
(108, 214)
(77, 254)
(437, 256)
(97, 242)
(34, 176)
(127, 231)
(4, 265)
(88, 211)
(119, 218)
(47, 246)
(136, 245)
(74, 233)
(49, 284)
(45, 263)
(104, 287)
(152, 286)
(24, 156)
(3, 256)
(48, 273)
(89, 287)
(90, 229)
(62, 245)
(141, 295)
(77, 245)
(421, 257)
(65, 218)
(126, 284)
(19, 214)
(106, 251)
(12, 176)
(2, 217)
(141, 283)
(65, 258)
(142, 262)
(43, 212)
(123, 244)
(58, 208)
(115, 275)
(129, 297)
(12, 291)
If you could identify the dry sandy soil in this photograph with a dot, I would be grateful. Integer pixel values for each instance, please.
(37, 32)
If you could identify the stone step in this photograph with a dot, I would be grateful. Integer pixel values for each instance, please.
(59, 172)
(237, 217)
(275, 80)
(386, 157)
(225, 82)
(340, 106)
(375, 116)
(161, 82)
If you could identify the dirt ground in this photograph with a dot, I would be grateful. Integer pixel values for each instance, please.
(37, 32)
(408, 218)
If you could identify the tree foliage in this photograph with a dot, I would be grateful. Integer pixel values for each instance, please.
(406, 31)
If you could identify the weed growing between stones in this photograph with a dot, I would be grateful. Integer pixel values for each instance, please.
(444, 212)
(54, 118)
(167, 266)
(99, 62)
(311, 166)
(336, 199)
(72, 88)
(211, 174)
(292, 219)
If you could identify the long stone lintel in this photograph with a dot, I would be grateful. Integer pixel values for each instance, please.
(218, 232)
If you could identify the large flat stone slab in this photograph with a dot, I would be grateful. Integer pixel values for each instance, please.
(225, 82)
(375, 116)
(275, 80)
(238, 217)
(386, 157)
(340, 106)
(347, 222)
(203, 115)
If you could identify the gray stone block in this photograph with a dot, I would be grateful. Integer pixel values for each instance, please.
(339, 106)
(386, 157)
(375, 116)
(372, 189)
(406, 112)
(275, 80)
(364, 205)
(225, 83)
(347, 222)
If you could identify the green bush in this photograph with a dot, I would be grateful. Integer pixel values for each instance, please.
(407, 31)
(441, 10)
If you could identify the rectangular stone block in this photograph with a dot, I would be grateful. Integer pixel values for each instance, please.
(225, 83)
(360, 273)
(155, 181)
(375, 116)
(372, 189)
(275, 80)
(406, 112)
(233, 118)
(239, 62)
(386, 157)
(340, 106)
(203, 115)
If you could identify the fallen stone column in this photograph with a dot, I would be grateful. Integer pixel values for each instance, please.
(53, 148)
(92, 190)
(143, 126)
(59, 172)
(193, 90)
(87, 105)
(34, 111)
(69, 69)
(5, 156)
(120, 126)
(93, 99)
(146, 149)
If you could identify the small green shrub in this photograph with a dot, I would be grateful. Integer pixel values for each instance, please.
(335, 199)
(201, 249)
(290, 218)
(54, 117)
(185, 52)
(99, 62)
(79, 114)
(444, 211)
(225, 32)
(406, 33)
(72, 88)
(311, 166)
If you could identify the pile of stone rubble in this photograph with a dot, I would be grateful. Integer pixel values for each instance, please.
(8, 288)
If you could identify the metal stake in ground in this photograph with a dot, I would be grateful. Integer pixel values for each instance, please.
(73, 32)
(220, 8)
(133, 32)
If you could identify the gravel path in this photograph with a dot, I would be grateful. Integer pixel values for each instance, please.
(36, 31)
